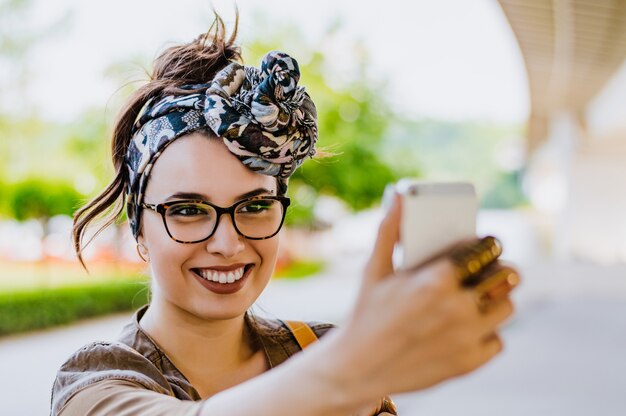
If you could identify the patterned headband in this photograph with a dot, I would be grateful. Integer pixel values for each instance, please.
(262, 115)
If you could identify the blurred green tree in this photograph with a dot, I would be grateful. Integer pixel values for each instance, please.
(353, 119)
(32, 164)
(39, 198)
(66, 160)
(486, 153)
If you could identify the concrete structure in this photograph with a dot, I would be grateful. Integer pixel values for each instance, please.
(574, 52)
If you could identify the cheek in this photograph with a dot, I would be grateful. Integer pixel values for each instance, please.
(164, 252)
(151, 225)
(268, 250)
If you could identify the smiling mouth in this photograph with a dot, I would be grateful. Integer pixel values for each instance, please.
(224, 277)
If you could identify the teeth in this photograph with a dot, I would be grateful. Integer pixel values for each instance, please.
(222, 277)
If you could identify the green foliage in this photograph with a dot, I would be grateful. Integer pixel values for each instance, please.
(505, 192)
(53, 168)
(27, 146)
(300, 212)
(353, 119)
(58, 152)
(86, 143)
(476, 152)
(42, 308)
(38, 198)
(357, 175)
(300, 268)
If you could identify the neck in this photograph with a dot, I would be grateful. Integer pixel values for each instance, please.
(195, 345)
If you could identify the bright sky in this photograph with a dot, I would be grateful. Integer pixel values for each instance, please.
(450, 59)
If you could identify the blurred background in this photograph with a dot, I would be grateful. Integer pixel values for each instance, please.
(524, 98)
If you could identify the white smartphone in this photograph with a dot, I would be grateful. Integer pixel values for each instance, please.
(435, 215)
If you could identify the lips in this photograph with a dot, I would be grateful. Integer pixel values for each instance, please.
(223, 288)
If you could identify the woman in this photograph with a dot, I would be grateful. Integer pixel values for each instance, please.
(205, 137)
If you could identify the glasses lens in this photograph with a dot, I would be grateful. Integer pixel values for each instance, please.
(190, 222)
(259, 218)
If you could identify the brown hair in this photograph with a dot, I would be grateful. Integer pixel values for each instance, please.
(195, 62)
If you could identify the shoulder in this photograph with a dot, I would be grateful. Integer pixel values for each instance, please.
(278, 330)
(320, 328)
(278, 327)
(103, 360)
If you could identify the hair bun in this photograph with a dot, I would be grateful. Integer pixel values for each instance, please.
(197, 61)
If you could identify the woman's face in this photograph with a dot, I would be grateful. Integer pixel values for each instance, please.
(202, 165)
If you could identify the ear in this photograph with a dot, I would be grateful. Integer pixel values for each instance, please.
(142, 250)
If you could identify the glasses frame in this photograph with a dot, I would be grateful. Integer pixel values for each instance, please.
(161, 208)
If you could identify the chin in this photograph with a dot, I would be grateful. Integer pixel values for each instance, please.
(210, 314)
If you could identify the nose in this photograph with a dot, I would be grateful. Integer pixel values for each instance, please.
(225, 240)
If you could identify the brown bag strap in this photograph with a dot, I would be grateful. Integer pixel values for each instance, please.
(302, 332)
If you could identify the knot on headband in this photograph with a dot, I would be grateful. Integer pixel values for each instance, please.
(262, 115)
(265, 118)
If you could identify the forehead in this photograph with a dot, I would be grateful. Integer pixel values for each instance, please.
(199, 163)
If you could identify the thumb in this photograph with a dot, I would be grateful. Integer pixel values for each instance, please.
(380, 263)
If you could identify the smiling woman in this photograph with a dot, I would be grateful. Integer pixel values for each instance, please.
(203, 153)
(180, 270)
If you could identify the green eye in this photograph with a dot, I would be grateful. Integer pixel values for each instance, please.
(252, 207)
(187, 210)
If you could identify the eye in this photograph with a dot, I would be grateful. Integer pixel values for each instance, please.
(187, 210)
(256, 206)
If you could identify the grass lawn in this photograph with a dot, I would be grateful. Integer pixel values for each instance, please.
(18, 276)
(41, 295)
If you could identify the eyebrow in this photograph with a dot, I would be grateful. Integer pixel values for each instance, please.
(195, 195)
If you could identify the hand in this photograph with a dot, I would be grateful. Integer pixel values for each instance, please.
(412, 330)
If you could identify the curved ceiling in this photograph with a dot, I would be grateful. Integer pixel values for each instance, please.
(571, 48)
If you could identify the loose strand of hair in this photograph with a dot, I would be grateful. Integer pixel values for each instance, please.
(194, 62)
(111, 200)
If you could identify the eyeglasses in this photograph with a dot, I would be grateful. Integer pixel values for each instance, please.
(193, 221)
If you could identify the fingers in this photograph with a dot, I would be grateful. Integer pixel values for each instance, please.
(380, 263)
(475, 324)
(481, 353)
(472, 258)
(495, 284)
(491, 346)
(438, 283)
(497, 313)
(488, 321)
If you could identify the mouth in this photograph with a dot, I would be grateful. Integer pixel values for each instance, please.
(224, 277)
